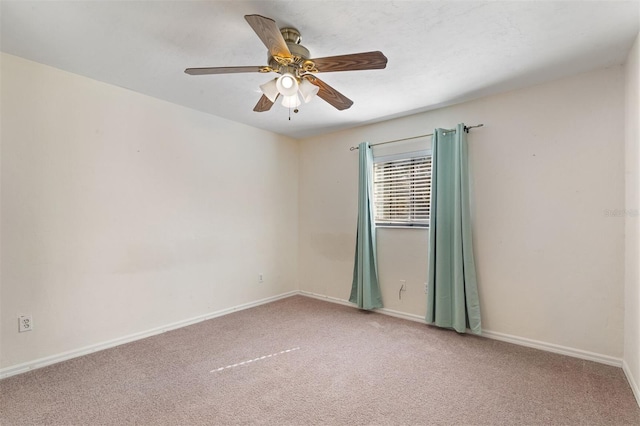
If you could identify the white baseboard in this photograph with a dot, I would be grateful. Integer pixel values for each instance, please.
(43, 362)
(385, 311)
(632, 381)
(551, 347)
(327, 298)
(521, 341)
(403, 315)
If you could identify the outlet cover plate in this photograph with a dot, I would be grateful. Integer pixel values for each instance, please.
(25, 323)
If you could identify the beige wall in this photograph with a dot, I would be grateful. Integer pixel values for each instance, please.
(546, 169)
(122, 213)
(632, 228)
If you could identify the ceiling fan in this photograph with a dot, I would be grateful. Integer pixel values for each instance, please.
(290, 59)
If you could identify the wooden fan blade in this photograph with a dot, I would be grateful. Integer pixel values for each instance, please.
(331, 95)
(355, 62)
(264, 104)
(222, 70)
(269, 33)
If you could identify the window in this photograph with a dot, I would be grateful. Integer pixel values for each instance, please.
(402, 190)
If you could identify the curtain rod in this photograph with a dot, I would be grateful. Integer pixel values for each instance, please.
(466, 129)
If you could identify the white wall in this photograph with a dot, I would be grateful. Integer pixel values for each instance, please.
(632, 228)
(546, 168)
(122, 213)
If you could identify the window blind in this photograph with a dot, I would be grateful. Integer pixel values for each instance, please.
(402, 191)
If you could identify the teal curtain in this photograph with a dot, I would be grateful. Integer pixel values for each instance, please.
(452, 291)
(365, 290)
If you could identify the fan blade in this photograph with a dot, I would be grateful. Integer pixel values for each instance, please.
(331, 95)
(269, 33)
(222, 70)
(264, 104)
(355, 62)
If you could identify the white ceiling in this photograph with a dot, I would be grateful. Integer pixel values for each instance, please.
(440, 52)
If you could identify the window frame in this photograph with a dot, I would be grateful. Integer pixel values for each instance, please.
(405, 156)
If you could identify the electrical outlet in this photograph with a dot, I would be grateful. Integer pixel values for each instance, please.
(25, 323)
(426, 288)
(260, 278)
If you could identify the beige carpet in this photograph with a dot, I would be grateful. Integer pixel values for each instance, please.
(301, 361)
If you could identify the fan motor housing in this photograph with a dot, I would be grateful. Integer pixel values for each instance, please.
(299, 53)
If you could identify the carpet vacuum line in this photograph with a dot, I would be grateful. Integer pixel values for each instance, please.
(254, 360)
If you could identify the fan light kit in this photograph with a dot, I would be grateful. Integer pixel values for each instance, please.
(290, 59)
(287, 85)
